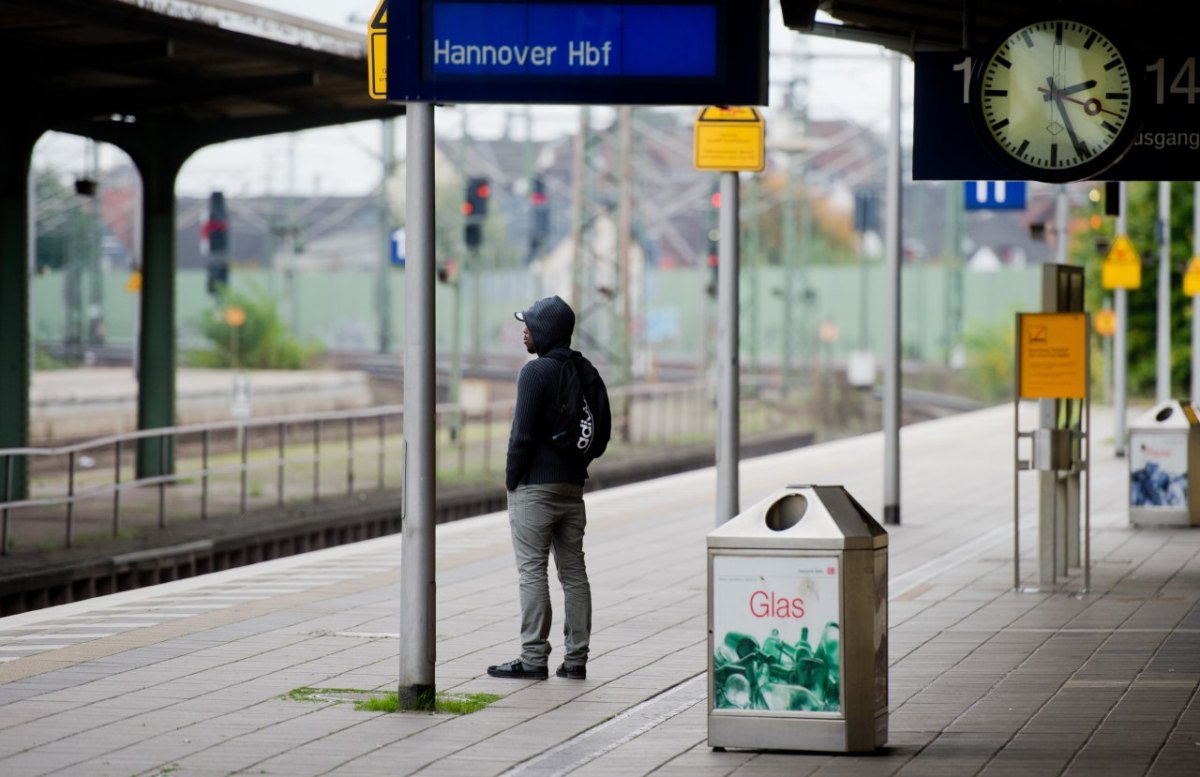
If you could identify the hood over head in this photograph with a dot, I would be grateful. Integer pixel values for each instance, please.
(551, 323)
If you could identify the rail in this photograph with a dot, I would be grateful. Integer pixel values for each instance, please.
(92, 489)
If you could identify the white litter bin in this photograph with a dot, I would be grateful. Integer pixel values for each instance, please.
(1164, 464)
(797, 625)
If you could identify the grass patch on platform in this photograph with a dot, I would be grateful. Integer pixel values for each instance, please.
(371, 701)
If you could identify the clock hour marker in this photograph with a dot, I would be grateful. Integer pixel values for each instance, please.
(1021, 149)
(1112, 130)
(1114, 62)
(1058, 29)
(1116, 96)
(1002, 61)
(1054, 155)
(999, 125)
(1028, 38)
(995, 93)
(1087, 44)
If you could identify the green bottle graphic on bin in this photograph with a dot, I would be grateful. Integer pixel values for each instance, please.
(778, 675)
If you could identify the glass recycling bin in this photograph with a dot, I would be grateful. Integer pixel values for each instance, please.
(797, 625)
(1164, 466)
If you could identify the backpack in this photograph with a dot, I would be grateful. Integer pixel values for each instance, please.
(580, 422)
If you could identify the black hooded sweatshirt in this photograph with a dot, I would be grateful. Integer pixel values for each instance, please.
(531, 459)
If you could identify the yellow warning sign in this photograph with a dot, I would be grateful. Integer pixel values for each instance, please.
(134, 284)
(377, 53)
(1052, 355)
(1191, 278)
(1105, 322)
(1122, 267)
(730, 139)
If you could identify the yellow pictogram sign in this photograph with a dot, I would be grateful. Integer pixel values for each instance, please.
(1052, 355)
(730, 140)
(134, 284)
(1191, 278)
(1122, 268)
(377, 53)
(235, 316)
(1105, 322)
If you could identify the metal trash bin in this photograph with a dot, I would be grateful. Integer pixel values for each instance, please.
(797, 625)
(1164, 466)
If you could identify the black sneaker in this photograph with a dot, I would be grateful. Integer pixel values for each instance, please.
(577, 672)
(518, 670)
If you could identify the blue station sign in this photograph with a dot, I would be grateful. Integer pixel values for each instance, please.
(663, 53)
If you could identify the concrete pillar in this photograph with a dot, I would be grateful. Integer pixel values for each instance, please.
(158, 162)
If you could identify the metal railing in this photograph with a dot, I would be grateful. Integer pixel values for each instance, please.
(92, 488)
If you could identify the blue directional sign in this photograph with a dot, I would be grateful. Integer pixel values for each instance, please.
(683, 52)
(994, 195)
(398, 249)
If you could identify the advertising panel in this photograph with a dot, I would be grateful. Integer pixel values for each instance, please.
(776, 633)
(1158, 467)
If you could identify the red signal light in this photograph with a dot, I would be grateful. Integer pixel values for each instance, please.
(467, 209)
(716, 199)
(484, 191)
(538, 198)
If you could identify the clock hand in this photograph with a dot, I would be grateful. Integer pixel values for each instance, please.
(1080, 148)
(1091, 107)
(1066, 90)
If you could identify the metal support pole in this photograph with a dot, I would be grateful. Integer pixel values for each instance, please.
(418, 615)
(1120, 345)
(1194, 394)
(727, 352)
(1162, 374)
(383, 292)
(891, 339)
(624, 247)
(788, 260)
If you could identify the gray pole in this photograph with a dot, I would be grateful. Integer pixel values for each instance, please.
(1162, 381)
(891, 340)
(1062, 215)
(1195, 392)
(624, 313)
(788, 262)
(418, 615)
(728, 399)
(1120, 346)
(383, 294)
(578, 174)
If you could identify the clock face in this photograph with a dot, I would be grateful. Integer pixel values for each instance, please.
(1055, 98)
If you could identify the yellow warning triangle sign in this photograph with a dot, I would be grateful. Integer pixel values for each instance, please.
(1122, 251)
(1191, 278)
(377, 53)
(1122, 268)
(379, 20)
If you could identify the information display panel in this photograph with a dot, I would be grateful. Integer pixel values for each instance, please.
(551, 51)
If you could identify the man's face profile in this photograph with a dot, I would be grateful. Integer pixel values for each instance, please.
(527, 339)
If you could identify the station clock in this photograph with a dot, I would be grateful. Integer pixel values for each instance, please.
(1057, 100)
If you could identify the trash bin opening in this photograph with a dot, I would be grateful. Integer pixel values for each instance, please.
(787, 512)
(1164, 414)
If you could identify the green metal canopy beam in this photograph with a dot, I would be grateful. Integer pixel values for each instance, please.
(16, 151)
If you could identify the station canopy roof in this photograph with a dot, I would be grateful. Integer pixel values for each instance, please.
(222, 69)
(917, 25)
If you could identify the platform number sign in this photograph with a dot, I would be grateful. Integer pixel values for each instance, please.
(994, 195)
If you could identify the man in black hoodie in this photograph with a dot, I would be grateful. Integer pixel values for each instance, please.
(545, 504)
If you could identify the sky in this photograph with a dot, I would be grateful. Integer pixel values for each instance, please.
(846, 81)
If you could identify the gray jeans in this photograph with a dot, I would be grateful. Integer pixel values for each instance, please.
(544, 518)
